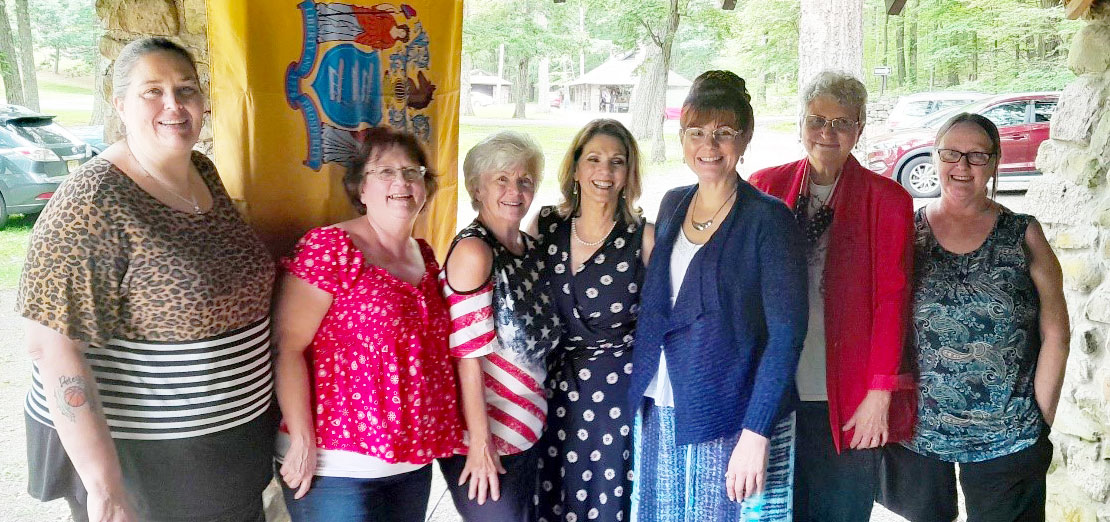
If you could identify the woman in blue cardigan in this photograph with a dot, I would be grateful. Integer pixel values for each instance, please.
(723, 317)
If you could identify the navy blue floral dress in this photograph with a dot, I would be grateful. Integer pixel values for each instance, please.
(977, 338)
(586, 452)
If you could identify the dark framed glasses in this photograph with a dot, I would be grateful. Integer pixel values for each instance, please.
(973, 158)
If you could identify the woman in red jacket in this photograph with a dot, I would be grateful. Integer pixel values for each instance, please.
(858, 228)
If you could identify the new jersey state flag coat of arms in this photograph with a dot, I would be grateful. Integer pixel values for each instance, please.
(295, 85)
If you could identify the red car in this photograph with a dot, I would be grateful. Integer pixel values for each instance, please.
(1022, 120)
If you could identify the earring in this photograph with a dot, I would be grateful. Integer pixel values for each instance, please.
(575, 188)
(741, 160)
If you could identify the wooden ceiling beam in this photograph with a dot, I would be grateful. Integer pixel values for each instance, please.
(894, 7)
(727, 5)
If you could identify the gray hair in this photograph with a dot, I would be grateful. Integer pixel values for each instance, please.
(498, 152)
(134, 51)
(845, 88)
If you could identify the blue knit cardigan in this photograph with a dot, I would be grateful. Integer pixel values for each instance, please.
(735, 332)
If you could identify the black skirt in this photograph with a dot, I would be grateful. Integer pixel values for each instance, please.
(211, 477)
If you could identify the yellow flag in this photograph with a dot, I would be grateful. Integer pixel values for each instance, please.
(295, 85)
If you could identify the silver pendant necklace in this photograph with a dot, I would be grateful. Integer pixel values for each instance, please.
(191, 200)
(701, 226)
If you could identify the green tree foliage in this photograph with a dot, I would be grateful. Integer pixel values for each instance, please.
(68, 28)
(985, 45)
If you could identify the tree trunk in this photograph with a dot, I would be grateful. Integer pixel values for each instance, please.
(900, 51)
(520, 87)
(543, 85)
(886, 38)
(102, 111)
(649, 96)
(582, 31)
(9, 68)
(974, 56)
(466, 105)
(658, 144)
(57, 58)
(911, 43)
(500, 73)
(831, 33)
(27, 55)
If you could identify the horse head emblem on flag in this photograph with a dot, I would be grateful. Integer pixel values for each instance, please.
(360, 65)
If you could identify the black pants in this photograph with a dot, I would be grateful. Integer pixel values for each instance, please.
(1005, 489)
(830, 487)
(518, 485)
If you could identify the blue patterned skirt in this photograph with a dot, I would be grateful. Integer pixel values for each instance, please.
(687, 483)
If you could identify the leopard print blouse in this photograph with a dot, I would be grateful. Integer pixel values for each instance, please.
(158, 295)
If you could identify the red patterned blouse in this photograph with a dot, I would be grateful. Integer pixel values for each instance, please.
(383, 380)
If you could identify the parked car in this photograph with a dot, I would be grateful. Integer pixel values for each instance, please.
(1022, 120)
(93, 135)
(910, 110)
(480, 99)
(36, 154)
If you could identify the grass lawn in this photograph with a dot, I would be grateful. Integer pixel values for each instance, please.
(13, 248)
(48, 84)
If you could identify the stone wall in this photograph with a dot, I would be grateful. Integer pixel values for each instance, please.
(1072, 201)
(184, 21)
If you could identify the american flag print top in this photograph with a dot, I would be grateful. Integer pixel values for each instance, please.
(509, 323)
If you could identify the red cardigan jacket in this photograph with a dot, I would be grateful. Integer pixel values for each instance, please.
(868, 278)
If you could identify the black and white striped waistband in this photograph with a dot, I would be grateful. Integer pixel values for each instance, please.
(159, 390)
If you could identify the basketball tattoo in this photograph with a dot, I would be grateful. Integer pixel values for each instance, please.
(73, 393)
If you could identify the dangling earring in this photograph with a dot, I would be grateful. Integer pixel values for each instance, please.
(575, 192)
(741, 160)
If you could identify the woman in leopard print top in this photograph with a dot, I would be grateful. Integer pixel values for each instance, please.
(148, 303)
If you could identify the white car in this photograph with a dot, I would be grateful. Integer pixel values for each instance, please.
(912, 108)
(480, 99)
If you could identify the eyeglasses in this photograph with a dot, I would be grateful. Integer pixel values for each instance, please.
(973, 158)
(408, 174)
(816, 123)
(720, 134)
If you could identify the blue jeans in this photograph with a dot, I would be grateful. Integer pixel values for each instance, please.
(399, 498)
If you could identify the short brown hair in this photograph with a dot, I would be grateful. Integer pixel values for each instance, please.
(627, 209)
(719, 96)
(374, 144)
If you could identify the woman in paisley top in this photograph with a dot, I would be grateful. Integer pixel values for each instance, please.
(502, 330)
(596, 245)
(148, 298)
(991, 338)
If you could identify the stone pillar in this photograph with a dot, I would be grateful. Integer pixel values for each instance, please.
(1072, 201)
(183, 21)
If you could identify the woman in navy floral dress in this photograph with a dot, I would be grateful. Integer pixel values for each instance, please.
(596, 245)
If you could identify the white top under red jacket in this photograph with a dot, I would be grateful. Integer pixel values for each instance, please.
(510, 324)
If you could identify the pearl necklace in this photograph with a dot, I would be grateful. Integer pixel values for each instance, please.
(574, 233)
(191, 200)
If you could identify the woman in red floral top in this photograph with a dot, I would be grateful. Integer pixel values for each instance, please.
(361, 308)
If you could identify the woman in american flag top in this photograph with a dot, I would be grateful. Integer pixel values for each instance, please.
(503, 328)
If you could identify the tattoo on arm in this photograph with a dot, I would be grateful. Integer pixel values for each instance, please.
(72, 394)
